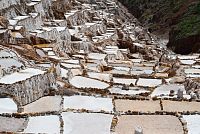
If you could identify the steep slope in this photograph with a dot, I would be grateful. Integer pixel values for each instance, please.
(181, 18)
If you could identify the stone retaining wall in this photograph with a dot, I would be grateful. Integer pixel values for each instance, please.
(29, 90)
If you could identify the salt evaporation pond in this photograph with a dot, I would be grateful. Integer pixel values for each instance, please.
(124, 81)
(21, 75)
(83, 82)
(188, 57)
(43, 124)
(149, 82)
(96, 56)
(164, 90)
(192, 71)
(67, 65)
(86, 123)
(131, 91)
(88, 103)
(11, 124)
(193, 123)
(100, 76)
(7, 105)
(188, 62)
(44, 104)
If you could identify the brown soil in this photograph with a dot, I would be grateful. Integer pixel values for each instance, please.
(151, 124)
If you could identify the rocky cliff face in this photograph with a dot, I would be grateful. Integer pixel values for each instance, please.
(181, 18)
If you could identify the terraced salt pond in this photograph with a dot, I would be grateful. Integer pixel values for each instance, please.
(136, 60)
(181, 106)
(115, 71)
(164, 90)
(89, 103)
(67, 65)
(131, 91)
(93, 67)
(15, 124)
(137, 105)
(83, 82)
(71, 61)
(139, 72)
(193, 123)
(150, 124)
(188, 62)
(127, 69)
(64, 72)
(124, 81)
(188, 57)
(193, 75)
(100, 76)
(8, 63)
(43, 124)
(7, 105)
(21, 75)
(196, 66)
(192, 71)
(86, 123)
(44, 104)
(96, 56)
(149, 82)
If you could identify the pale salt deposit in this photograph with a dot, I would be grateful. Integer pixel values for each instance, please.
(138, 72)
(193, 123)
(100, 76)
(193, 75)
(188, 62)
(86, 123)
(89, 103)
(64, 72)
(96, 56)
(164, 90)
(70, 65)
(71, 61)
(9, 124)
(136, 60)
(43, 124)
(7, 105)
(122, 69)
(114, 71)
(83, 82)
(188, 57)
(8, 63)
(124, 81)
(196, 66)
(149, 82)
(21, 75)
(192, 71)
(93, 67)
(130, 91)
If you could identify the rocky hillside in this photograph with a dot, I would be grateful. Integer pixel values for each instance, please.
(181, 18)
